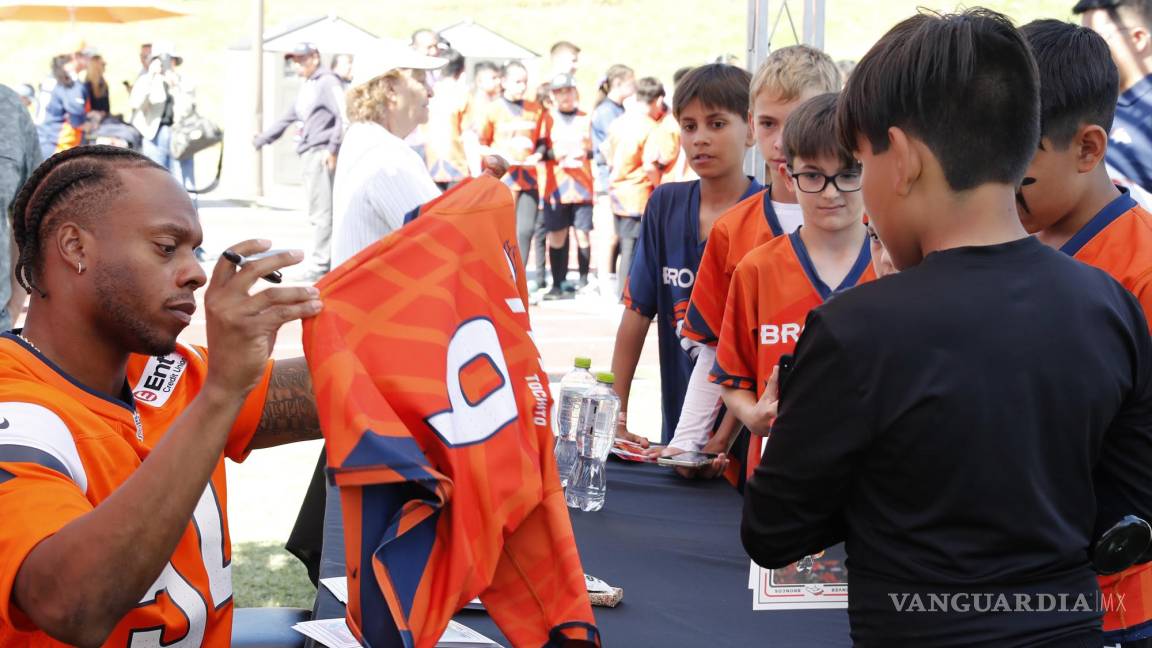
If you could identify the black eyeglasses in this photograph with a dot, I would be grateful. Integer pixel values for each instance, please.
(814, 182)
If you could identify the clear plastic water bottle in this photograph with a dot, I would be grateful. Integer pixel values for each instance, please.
(573, 388)
(594, 436)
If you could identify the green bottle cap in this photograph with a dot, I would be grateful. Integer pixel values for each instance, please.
(583, 363)
(606, 377)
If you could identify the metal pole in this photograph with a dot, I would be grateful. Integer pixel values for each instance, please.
(814, 23)
(258, 105)
(758, 47)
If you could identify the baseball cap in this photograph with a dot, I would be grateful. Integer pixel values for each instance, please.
(301, 49)
(562, 81)
(384, 57)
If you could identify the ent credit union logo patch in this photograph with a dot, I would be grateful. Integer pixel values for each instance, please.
(159, 379)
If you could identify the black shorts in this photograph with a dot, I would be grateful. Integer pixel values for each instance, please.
(627, 226)
(561, 217)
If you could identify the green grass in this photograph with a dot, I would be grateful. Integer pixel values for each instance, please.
(265, 575)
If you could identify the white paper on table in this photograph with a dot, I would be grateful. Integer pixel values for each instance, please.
(823, 585)
(338, 587)
(334, 633)
(595, 585)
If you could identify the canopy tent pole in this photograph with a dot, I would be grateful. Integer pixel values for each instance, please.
(258, 104)
(757, 51)
(759, 44)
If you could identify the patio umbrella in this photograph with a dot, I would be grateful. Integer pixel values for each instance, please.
(73, 11)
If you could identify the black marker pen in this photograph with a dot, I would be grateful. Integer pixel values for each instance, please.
(241, 261)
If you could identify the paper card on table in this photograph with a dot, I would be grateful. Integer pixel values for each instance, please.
(458, 635)
(593, 584)
(819, 581)
(338, 587)
(334, 633)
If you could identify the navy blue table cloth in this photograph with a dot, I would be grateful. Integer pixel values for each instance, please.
(673, 545)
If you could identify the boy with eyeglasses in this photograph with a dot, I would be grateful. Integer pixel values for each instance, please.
(775, 285)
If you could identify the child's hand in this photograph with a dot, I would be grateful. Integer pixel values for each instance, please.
(767, 406)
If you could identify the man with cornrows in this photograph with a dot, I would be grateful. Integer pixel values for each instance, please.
(112, 434)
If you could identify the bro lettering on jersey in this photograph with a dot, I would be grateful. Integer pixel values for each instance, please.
(65, 449)
(773, 289)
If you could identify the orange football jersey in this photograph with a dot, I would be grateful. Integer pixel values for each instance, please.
(65, 449)
(662, 150)
(436, 419)
(569, 176)
(1118, 240)
(773, 288)
(629, 186)
(747, 225)
(512, 130)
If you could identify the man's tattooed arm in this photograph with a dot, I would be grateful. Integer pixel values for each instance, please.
(290, 407)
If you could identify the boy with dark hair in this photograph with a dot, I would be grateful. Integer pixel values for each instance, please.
(1126, 26)
(711, 106)
(966, 426)
(629, 181)
(1068, 201)
(777, 284)
(787, 78)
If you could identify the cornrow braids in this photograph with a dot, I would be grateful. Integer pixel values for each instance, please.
(78, 182)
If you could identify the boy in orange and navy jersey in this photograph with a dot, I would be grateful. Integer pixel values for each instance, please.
(629, 182)
(569, 191)
(510, 127)
(775, 285)
(1069, 202)
(787, 78)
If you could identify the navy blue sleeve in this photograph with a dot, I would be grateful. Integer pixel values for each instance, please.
(642, 292)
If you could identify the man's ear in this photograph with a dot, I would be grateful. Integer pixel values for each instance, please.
(907, 163)
(1091, 142)
(789, 181)
(69, 247)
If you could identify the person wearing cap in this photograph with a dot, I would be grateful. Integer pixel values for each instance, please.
(320, 107)
(569, 192)
(379, 178)
(159, 99)
(1126, 25)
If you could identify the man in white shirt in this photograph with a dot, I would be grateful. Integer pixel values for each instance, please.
(379, 178)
